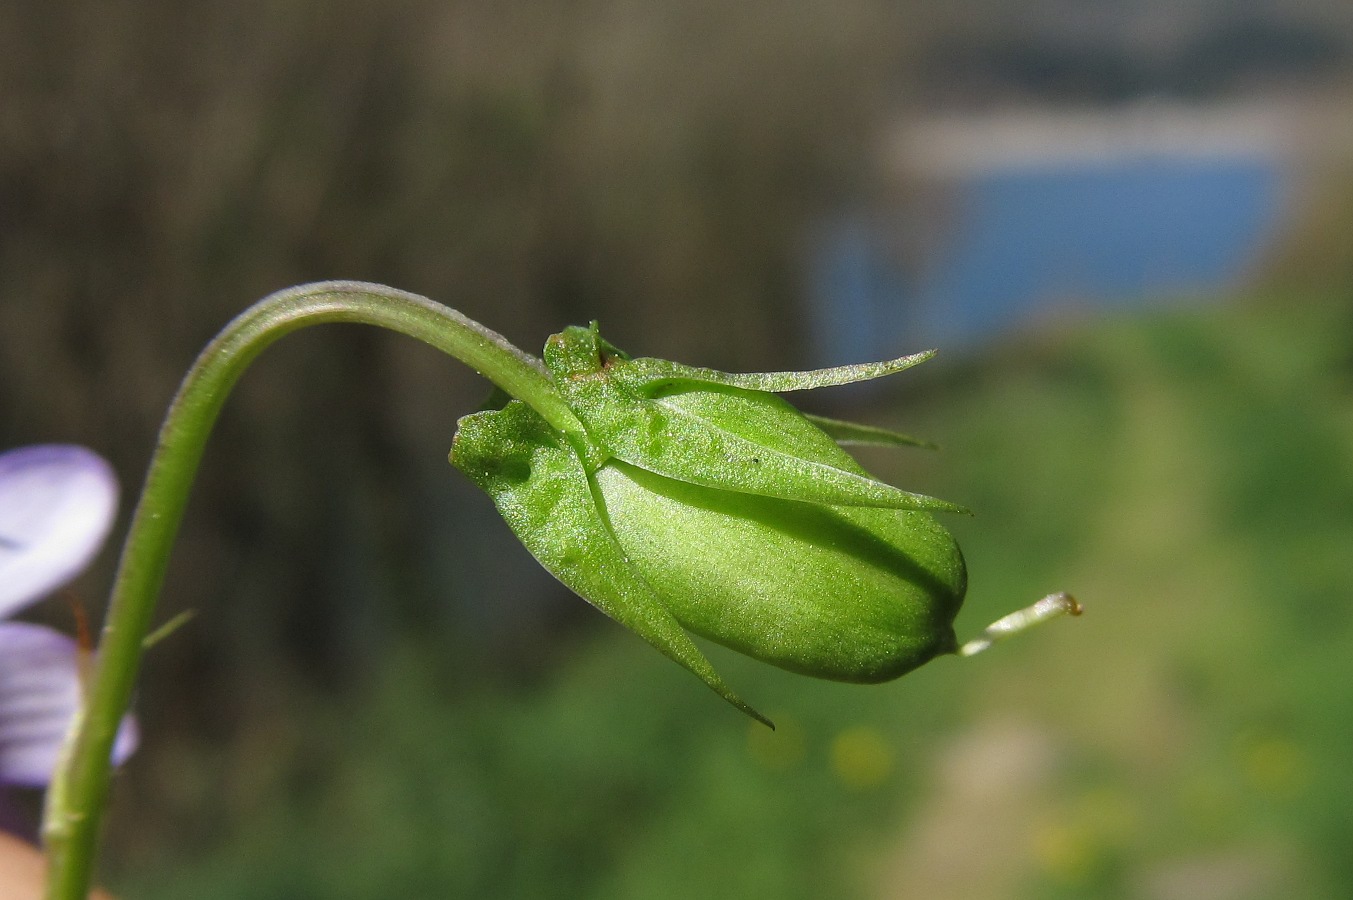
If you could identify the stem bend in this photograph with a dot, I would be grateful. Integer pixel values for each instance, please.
(79, 789)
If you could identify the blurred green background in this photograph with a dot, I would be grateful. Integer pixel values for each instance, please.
(383, 695)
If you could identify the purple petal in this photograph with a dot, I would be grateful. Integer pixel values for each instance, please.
(39, 694)
(57, 502)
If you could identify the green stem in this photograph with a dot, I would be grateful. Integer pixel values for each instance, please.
(76, 799)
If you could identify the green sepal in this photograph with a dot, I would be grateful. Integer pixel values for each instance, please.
(854, 433)
(647, 374)
(717, 429)
(683, 436)
(673, 436)
(545, 495)
(576, 352)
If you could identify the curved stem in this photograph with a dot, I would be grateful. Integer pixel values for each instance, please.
(78, 792)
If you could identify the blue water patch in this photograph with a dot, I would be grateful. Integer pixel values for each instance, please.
(1026, 241)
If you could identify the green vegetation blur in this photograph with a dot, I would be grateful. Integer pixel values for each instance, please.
(383, 696)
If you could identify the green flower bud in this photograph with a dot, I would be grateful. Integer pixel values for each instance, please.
(850, 594)
(698, 501)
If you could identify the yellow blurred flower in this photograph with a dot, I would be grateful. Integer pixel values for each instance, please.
(861, 758)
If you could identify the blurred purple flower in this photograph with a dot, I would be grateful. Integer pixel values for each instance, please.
(57, 504)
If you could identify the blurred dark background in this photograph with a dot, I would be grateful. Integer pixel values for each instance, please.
(382, 693)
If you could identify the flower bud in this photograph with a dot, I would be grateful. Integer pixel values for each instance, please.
(698, 501)
(850, 594)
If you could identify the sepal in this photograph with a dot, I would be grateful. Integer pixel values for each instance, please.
(648, 374)
(719, 430)
(848, 433)
(545, 495)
